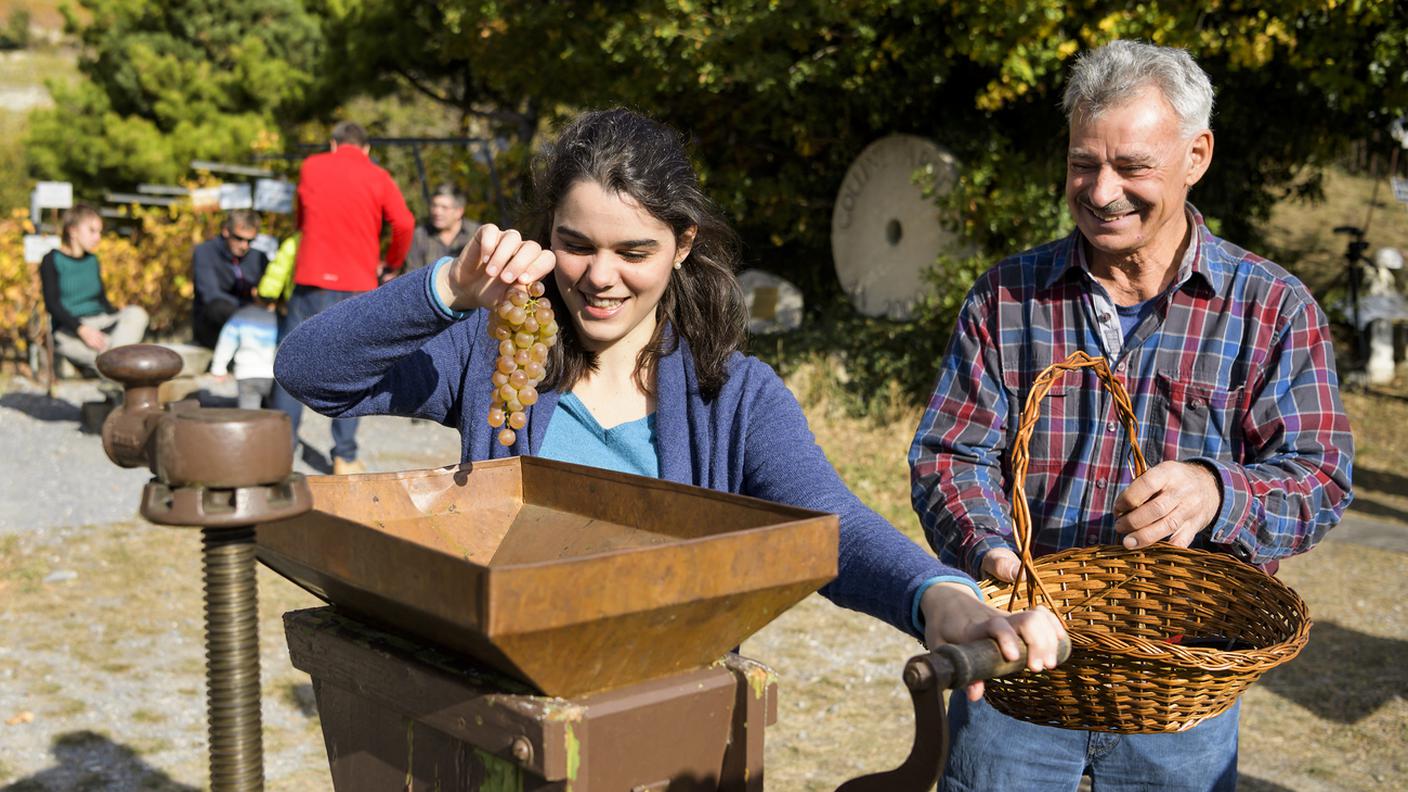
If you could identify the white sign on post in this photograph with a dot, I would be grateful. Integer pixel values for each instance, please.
(236, 196)
(205, 199)
(53, 195)
(37, 245)
(273, 195)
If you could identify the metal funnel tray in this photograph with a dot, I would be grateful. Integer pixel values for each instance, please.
(570, 578)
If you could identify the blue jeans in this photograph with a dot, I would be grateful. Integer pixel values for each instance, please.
(307, 302)
(990, 752)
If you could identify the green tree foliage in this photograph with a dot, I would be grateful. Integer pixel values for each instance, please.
(435, 49)
(168, 81)
(493, 70)
(780, 96)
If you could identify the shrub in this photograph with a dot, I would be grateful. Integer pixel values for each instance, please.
(19, 284)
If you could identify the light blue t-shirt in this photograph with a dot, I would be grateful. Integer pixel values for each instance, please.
(575, 436)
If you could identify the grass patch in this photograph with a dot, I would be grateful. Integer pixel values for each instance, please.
(65, 707)
(148, 716)
(42, 13)
(20, 569)
(1300, 234)
(145, 746)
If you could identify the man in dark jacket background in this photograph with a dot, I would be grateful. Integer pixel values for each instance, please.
(226, 270)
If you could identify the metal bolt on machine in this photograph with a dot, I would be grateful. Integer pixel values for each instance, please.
(517, 624)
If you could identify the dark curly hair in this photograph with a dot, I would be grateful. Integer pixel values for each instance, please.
(628, 153)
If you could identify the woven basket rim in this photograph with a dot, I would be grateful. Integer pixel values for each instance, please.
(1198, 658)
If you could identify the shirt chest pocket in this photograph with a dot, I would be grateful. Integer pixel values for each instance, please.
(1053, 446)
(1197, 419)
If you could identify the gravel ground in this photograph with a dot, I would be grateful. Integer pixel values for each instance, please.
(102, 675)
(53, 463)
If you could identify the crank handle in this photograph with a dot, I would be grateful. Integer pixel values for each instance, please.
(979, 660)
(927, 676)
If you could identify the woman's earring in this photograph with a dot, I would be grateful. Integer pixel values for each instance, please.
(677, 265)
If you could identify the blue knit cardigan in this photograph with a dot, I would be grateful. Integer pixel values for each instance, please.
(392, 351)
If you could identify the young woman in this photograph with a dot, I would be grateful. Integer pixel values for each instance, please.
(85, 322)
(646, 378)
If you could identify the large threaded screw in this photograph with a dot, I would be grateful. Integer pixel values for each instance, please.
(232, 660)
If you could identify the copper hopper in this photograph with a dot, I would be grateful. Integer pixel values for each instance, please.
(569, 578)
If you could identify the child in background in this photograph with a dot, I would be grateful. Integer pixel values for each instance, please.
(249, 338)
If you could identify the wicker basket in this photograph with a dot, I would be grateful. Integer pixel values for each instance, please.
(1136, 618)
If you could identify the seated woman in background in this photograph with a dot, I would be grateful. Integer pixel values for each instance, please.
(85, 323)
(646, 378)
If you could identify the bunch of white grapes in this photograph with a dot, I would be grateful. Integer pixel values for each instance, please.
(523, 324)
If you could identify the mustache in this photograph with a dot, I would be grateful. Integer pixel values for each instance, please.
(1117, 207)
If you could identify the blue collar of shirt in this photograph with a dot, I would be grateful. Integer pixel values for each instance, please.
(1203, 259)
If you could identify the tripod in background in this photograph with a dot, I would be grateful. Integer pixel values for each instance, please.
(1355, 261)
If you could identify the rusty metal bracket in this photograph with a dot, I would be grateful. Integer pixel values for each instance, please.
(209, 507)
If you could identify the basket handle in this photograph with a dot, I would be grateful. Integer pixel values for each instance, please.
(1031, 411)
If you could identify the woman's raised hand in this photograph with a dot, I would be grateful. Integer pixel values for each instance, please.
(493, 260)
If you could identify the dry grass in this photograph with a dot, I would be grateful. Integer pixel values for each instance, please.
(1303, 239)
(43, 14)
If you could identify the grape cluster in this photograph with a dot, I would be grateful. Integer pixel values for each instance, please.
(523, 324)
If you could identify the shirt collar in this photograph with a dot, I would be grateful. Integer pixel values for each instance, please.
(1195, 261)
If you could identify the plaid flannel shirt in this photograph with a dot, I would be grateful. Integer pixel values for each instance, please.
(1232, 368)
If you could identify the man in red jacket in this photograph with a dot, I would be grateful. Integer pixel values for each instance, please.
(343, 201)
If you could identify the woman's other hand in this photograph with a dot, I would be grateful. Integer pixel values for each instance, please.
(493, 260)
(953, 615)
(96, 339)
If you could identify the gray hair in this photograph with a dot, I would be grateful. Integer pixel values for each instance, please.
(451, 192)
(241, 218)
(1114, 73)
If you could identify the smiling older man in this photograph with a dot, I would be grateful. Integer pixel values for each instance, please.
(1227, 360)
